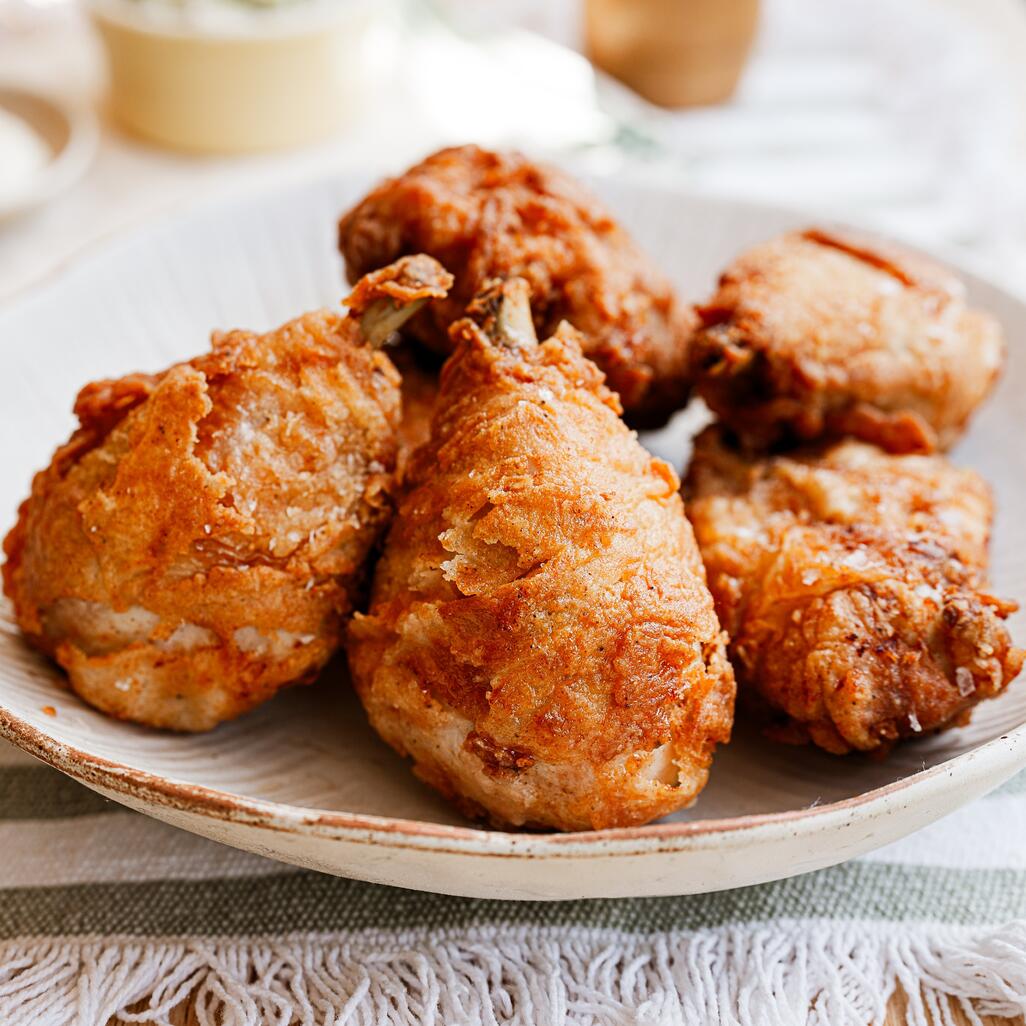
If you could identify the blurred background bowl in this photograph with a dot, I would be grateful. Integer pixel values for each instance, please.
(234, 77)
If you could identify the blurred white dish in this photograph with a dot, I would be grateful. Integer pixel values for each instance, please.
(303, 779)
(68, 136)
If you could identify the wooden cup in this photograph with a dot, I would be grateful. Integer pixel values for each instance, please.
(676, 53)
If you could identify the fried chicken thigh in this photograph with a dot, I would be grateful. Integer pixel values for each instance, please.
(540, 638)
(816, 334)
(486, 215)
(199, 541)
(852, 585)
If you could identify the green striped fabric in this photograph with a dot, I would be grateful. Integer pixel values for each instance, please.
(82, 879)
(304, 901)
(276, 898)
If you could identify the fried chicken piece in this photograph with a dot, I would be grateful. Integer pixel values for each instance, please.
(199, 541)
(817, 334)
(540, 639)
(419, 372)
(851, 583)
(486, 215)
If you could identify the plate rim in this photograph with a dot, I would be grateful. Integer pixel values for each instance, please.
(996, 759)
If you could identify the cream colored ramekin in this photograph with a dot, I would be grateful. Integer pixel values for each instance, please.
(262, 80)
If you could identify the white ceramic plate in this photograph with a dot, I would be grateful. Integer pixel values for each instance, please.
(303, 779)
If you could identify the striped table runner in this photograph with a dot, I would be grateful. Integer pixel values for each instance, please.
(102, 910)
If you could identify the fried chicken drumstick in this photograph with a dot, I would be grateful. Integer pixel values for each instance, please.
(540, 639)
(496, 215)
(851, 583)
(198, 542)
(817, 334)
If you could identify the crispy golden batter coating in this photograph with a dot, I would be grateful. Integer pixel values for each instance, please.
(487, 215)
(198, 542)
(540, 637)
(851, 583)
(816, 334)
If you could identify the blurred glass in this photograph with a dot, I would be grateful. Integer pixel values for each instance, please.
(558, 20)
(22, 15)
(676, 53)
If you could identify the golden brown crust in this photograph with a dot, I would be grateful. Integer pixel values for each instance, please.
(486, 215)
(851, 583)
(540, 637)
(408, 280)
(820, 334)
(198, 542)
